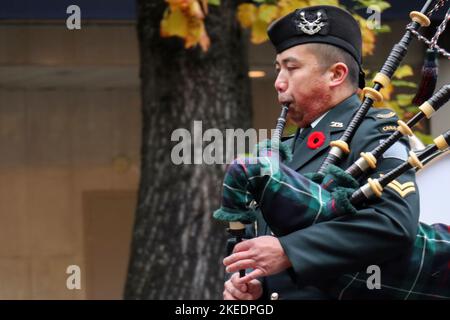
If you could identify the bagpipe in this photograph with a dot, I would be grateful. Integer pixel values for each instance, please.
(290, 201)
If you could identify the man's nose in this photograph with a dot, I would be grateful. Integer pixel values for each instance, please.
(280, 84)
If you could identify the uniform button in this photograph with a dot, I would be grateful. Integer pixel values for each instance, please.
(274, 296)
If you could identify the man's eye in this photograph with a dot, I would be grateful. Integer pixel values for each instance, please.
(290, 68)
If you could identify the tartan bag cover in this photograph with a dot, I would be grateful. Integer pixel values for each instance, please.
(289, 201)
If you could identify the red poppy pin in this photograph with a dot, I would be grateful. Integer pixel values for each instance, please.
(316, 140)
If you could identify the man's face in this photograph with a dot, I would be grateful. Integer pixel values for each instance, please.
(302, 83)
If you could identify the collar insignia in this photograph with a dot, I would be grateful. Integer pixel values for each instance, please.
(335, 124)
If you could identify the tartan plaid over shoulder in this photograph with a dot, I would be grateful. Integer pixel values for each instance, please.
(421, 273)
(333, 241)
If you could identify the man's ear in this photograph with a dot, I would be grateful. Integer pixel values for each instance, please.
(338, 74)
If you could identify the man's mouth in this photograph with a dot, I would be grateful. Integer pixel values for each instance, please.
(287, 103)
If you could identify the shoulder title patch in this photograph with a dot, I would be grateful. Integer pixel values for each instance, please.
(388, 128)
(386, 115)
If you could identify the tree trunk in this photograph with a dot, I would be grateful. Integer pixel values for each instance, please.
(177, 247)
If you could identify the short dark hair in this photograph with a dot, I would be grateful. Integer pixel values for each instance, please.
(328, 55)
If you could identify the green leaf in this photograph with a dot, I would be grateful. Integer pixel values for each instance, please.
(382, 5)
(412, 109)
(384, 28)
(403, 71)
(403, 83)
(214, 2)
(174, 23)
(267, 12)
(425, 138)
(404, 100)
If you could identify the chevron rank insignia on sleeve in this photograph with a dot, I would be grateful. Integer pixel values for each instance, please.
(403, 189)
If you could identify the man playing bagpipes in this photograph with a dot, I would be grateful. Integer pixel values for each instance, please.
(325, 252)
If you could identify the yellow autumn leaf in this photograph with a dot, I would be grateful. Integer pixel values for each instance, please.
(195, 10)
(287, 6)
(387, 92)
(404, 100)
(247, 14)
(378, 104)
(174, 23)
(204, 4)
(267, 13)
(403, 71)
(179, 4)
(195, 28)
(324, 3)
(204, 40)
(259, 32)
(387, 95)
(197, 34)
(174, 4)
(368, 36)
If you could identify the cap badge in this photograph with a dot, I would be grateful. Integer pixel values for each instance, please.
(310, 27)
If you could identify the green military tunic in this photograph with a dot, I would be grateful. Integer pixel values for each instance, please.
(383, 229)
